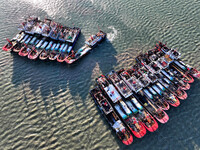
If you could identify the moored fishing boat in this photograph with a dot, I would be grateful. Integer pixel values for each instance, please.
(132, 103)
(24, 51)
(93, 41)
(121, 108)
(28, 25)
(110, 115)
(152, 96)
(64, 50)
(141, 114)
(120, 84)
(18, 47)
(37, 49)
(168, 97)
(182, 81)
(176, 68)
(13, 42)
(45, 52)
(153, 109)
(181, 93)
(54, 51)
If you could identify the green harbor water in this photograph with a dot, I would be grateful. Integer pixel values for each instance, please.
(46, 105)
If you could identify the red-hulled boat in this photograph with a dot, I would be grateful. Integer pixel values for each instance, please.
(185, 87)
(17, 47)
(61, 57)
(25, 50)
(110, 115)
(53, 55)
(162, 118)
(176, 102)
(139, 130)
(33, 54)
(188, 78)
(44, 55)
(13, 42)
(9, 45)
(150, 123)
(181, 94)
(194, 72)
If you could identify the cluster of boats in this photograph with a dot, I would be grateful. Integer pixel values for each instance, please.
(50, 40)
(133, 100)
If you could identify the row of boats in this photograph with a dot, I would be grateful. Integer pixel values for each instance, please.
(133, 100)
(45, 48)
(35, 45)
(49, 28)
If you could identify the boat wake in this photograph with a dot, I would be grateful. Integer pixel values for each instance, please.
(112, 35)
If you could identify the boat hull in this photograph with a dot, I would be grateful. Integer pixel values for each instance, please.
(6, 48)
(23, 52)
(153, 127)
(33, 56)
(141, 133)
(59, 59)
(164, 119)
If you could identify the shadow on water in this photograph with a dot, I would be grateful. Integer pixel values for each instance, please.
(51, 77)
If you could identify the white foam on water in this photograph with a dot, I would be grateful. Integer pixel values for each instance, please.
(112, 35)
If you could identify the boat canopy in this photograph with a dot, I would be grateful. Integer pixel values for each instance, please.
(148, 94)
(136, 103)
(112, 93)
(130, 105)
(118, 126)
(125, 107)
(122, 114)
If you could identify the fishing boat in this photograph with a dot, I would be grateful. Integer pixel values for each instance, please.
(181, 85)
(176, 67)
(110, 115)
(13, 42)
(124, 90)
(18, 47)
(46, 28)
(141, 114)
(28, 25)
(152, 96)
(54, 33)
(93, 41)
(69, 35)
(131, 121)
(64, 50)
(45, 52)
(168, 96)
(131, 81)
(177, 77)
(121, 108)
(153, 109)
(37, 49)
(173, 87)
(26, 49)
(132, 103)
(54, 51)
